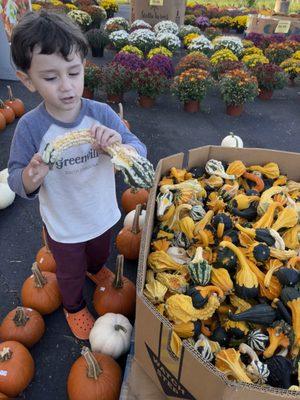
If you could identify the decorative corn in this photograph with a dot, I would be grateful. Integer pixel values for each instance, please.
(138, 171)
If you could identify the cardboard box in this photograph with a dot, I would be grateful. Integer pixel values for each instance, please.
(270, 25)
(188, 376)
(153, 11)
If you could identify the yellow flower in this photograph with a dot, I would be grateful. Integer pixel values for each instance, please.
(71, 6)
(296, 55)
(188, 38)
(160, 50)
(36, 7)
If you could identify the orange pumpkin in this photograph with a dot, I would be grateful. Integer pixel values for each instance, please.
(132, 197)
(3, 396)
(129, 239)
(121, 115)
(40, 291)
(94, 376)
(7, 112)
(2, 122)
(117, 294)
(16, 104)
(23, 325)
(18, 365)
(44, 257)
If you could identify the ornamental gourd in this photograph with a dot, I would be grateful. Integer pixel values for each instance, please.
(41, 292)
(16, 360)
(94, 376)
(199, 269)
(111, 335)
(116, 294)
(129, 238)
(23, 325)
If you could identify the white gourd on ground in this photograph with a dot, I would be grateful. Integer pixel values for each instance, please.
(128, 221)
(7, 196)
(111, 335)
(232, 141)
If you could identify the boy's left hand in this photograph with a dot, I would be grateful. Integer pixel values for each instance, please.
(104, 137)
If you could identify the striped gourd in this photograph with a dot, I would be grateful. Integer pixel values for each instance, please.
(199, 269)
(257, 340)
(137, 171)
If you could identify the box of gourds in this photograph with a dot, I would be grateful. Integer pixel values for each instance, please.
(218, 305)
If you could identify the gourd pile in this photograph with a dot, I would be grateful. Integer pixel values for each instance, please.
(224, 268)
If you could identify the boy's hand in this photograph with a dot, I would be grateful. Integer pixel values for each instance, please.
(104, 137)
(34, 174)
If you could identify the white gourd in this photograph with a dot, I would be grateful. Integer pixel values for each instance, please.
(111, 335)
(128, 221)
(3, 175)
(232, 141)
(7, 196)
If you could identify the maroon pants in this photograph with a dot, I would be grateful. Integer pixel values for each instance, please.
(73, 260)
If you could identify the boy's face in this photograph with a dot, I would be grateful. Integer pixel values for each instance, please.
(58, 81)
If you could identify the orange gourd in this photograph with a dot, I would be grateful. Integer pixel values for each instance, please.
(16, 104)
(18, 363)
(40, 291)
(2, 122)
(260, 185)
(117, 294)
(129, 239)
(94, 376)
(44, 257)
(23, 325)
(132, 197)
(7, 112)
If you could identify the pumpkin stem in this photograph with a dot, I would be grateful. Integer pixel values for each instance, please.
(10, 93)
(120, 327)
(2, 105)
(135, 225)
(5, 354)
(20, 318)
(93, 370)
(44, 236)
(39, 279)
(118, 281)
(121, 111)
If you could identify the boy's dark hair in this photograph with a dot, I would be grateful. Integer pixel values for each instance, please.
(53, 33)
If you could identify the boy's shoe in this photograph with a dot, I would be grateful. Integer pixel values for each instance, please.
(101, 276)
(80, 323)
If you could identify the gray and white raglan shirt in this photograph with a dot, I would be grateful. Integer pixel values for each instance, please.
(78, 196)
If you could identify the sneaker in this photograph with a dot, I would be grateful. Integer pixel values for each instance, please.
(80, 323)
(101, 276)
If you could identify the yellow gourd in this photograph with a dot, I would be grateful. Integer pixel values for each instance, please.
(160, 261)
(287, 218)
(267, 219)
(236, 168)
(270, 170)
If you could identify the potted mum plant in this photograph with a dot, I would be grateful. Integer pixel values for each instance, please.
(116, 80)
(237, 87)
(98, 14)
(149, 83)
(270, 77)
(97, 39)
(81, 18)
(193, 60)
(110, 6)
(119, 39)
(292, 67)
(191, 86)
(278, 52)
(92, 79)
(162, 64)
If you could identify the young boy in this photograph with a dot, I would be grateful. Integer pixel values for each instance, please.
(77, 197)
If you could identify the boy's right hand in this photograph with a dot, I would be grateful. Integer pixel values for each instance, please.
(34, 174)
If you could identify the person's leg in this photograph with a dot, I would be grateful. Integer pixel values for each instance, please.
(97, 252)
(71, 264)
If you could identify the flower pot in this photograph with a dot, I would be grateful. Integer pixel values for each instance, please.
(234, 110)
(110, 14)
(225, 30)
(146, 101)
(97, 51)
(292, 82)
(191, 106)
(115, 98)
(265, 94)
(88, 93)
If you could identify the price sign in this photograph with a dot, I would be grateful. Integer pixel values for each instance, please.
(283, 26)
(156, 2)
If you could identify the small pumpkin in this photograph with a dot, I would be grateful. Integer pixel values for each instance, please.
(41, 292)
(111, 335)
(116, 294)
(23, 325)
(44, 257)
(7, 112)
(2, 122)
(94, 376)
(18, 365)
(128, 220)
(132, 197)
(16, 104)
(129, 239)
(232, 140)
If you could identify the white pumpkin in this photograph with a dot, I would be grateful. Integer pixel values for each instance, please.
(232, 140)
(128, 221)
(3, 175)
(111, 335)
(7, 196)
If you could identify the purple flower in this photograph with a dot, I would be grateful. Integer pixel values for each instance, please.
(295, 37)
(161, 63)
(277, 38)
(129, 60)
(202, 22)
